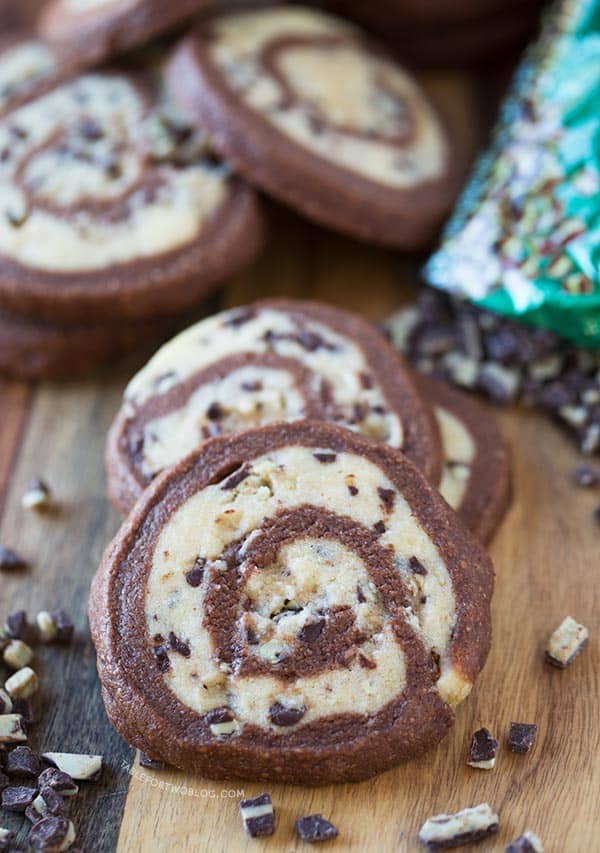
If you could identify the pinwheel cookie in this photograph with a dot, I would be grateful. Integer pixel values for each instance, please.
(292, 603)
(276, 360)
(476, 476)
(112, 206)
(308, 109)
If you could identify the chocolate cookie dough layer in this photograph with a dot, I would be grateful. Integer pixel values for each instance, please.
(113, 206)
(36, 350)
(28, 67)
(94, 30)
(293, 603)
(313, 113)
(476, 476)
(276, 360)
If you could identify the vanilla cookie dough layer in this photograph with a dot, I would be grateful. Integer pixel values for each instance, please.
(308, 75)
(458, 449)
(288, 598)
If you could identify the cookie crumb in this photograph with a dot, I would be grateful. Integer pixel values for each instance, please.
(314, 828)
(484, 749)
(466, 826)
(38, 495)
(258, 816)
(521, 737)
(566, 643)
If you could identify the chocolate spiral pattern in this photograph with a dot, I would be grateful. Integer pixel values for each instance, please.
(292, 603)
(272, 361)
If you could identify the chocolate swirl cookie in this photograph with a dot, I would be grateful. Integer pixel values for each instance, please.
(476, 475)
(292, 603)
(311, 111)
(113, 206)
(275, 360)
(28, 67)
(90, 31)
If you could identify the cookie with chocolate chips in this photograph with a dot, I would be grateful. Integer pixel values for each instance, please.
(90, 31)
(113, 207)
(310, 651)
(311, 111)
(476, 478)
(277, 360)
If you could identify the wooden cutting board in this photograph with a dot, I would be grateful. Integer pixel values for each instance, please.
(547, 565)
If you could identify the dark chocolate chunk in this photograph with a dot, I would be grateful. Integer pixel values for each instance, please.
(16, 624)
(49, 833)
(239, 318)
(325, 458)
(366, 662)
(388, 497)
(25, 709)
(379, 527)
(258, 816)
(151, 763)
(585, 475)
(215, 412)
(484, 749)
(311, 631)
(280, 715)
(21, 761)
(17, 797)
(161, 653)
(4, 783)
(416, 566)
(196, 574)
(252, 386)
(360, 594)
(220, 715)
(366, 380)
(179, 646)
(521, 737)
(64, 626)
(54, 803)
(237, 477)
(314, 828)
(58, 780)
(353, 490)
(10, 560)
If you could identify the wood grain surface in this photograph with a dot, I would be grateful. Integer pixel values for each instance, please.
(546, 558)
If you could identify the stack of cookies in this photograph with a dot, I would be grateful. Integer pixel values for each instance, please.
(129, 190)
(291, 598)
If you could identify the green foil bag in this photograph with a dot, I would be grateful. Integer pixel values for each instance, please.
(524, 240)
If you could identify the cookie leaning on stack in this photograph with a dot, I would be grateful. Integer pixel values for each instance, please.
(273, 360)
(344, 609)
